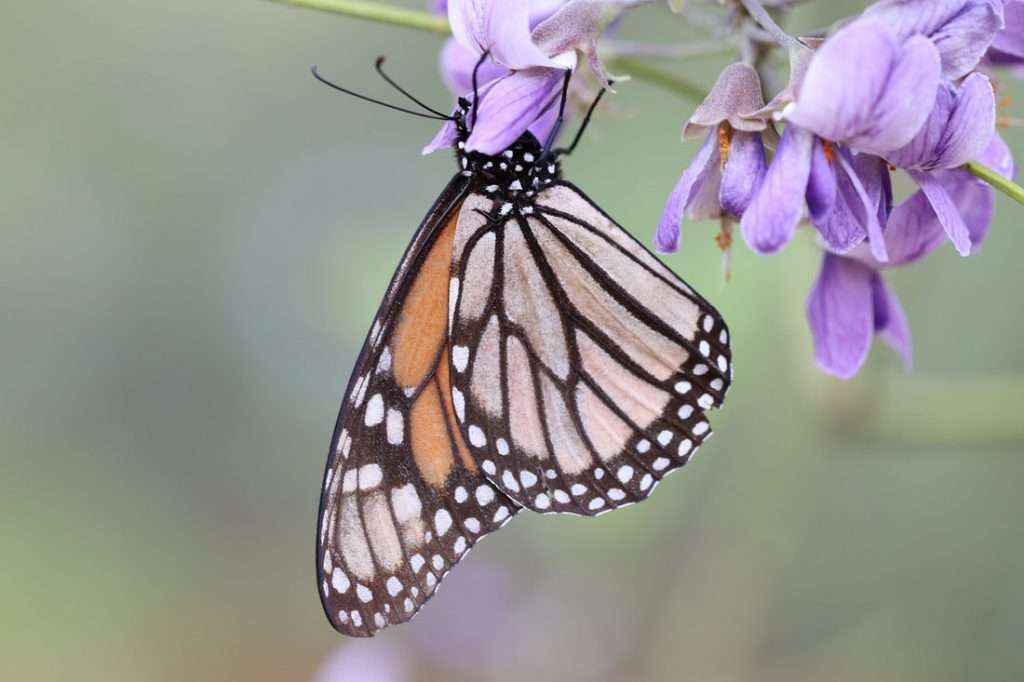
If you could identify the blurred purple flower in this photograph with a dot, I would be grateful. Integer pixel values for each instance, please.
(959, 128)
(459, 626)
(850, 302)
(861, 97)
(369, 661)
(962, 30)
(529, 47)
(727, 171)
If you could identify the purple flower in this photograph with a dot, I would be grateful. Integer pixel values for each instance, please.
(850, 301)
(959, 128)
(727, 171)
(860, 97)
(1008, 45)
(529, 47)
(962, 30)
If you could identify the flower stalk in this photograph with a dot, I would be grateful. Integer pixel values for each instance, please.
(379, 12)
(990, 176)
(425, 21)
(757, 11)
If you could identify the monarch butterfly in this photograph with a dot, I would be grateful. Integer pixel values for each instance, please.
(515, 362)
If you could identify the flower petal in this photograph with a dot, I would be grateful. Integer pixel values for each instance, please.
(499, 26)
(445, 137)
(840, 311)
(864, 88)
(775, 212)
(999, 157)
(947, 212)
(977, 203)
(743, 174)
(866, 208)
(844, 226)
(972, 124)
(511, 106)
(1010, 41)
(962, 30)
(737, 92)
(914, 231)
(666, 238)
(958, 129)
(821, 186)
(457, 64)
(891, 321)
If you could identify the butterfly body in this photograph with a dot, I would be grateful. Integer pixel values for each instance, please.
(529, 353)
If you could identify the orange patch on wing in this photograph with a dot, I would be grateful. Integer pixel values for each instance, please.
(423, 321)
(431, 444)
(443, 380)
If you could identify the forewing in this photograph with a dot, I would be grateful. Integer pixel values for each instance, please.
(402, 498)
(583, 366)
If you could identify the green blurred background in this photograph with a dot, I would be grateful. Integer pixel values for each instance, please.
(193, 238)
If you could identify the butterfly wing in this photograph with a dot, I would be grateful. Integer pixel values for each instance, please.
(582, 367)
(402, 498)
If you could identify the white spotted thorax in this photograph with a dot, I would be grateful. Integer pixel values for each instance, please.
(513, 178)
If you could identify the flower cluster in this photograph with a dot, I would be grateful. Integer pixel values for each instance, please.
(902, 88)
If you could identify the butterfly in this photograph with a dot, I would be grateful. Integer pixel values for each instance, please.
(529, 354)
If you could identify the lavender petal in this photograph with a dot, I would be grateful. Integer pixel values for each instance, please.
(840, 311)
(775, 212)
(743, 174)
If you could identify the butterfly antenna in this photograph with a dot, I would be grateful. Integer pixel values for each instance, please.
(379, 65)
(561, 116)
(476, 90)
(316, 74)
(565, 151)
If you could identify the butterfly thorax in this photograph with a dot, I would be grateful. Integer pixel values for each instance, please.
(515, 176)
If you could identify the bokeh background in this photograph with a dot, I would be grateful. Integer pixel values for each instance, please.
(193, 239)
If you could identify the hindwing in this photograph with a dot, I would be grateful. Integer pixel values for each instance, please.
(582, 367)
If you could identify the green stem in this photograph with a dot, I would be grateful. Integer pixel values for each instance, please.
(1004, 185)
(375, 11)
(660, 77)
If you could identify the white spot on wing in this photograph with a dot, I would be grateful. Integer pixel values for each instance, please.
(395, 427)
(459, 402)
(442, 522)
(460, 358)
(484, 495)
(384, 364)
(374, 410)
(340, 581)
(370, 476)
(406, 502)
(477, 437)
(509, 481)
